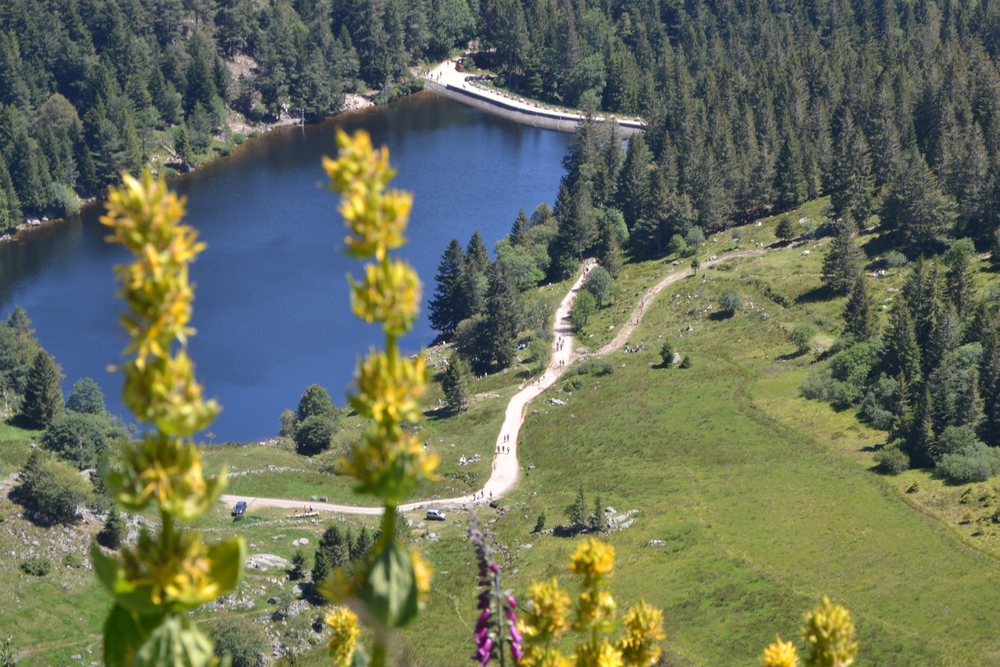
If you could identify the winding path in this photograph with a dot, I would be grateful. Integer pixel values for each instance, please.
(505, 466)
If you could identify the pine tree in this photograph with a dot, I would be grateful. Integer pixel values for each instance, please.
(916, 209)
(901, 353)
(922, 440)
(503, 318)
(989, 379)
(577, 512)
(977, 325)
(321, 566)
(445, 307)
(182, 145)
(455, 384)
(520, 230)
(611, 255)
(860, 319)
(43, 398)
(845, 260)
(362, 545)
(476, 256)
(969, 408)
(114, 530)
(600, 522)
(958, 276)
(902, 425)
(298, 570)
(785, 229)
(854, 185)
(634, 180)
(790, 181)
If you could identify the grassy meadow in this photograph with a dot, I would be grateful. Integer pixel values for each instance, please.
(752, 502)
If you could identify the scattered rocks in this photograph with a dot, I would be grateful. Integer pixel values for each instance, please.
(301, 542)
(556, 401)
(657, 543)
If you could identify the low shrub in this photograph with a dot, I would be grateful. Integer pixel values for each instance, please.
(72, 560)
(730, 301)
(973, 463)
(802, 335)
(686, 361)
(239, 637)
(596, 367)
(892, 460)
(895, 259)
(37, 567)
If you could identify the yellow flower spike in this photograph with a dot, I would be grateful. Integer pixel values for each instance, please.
(829, 631)
(422, 572)
(780, 654)
(643, 625)
(388, 388)
(594, 561)
(596, 609)
(594, 654)
(547, 617)
(377, 221)
(543, 656)
(344, 636)
(390, 293)
(171, 572)
(388, 467)
(167, 471)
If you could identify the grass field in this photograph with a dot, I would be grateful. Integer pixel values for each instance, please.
(760, 501)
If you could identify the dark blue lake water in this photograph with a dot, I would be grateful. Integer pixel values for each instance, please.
(271, 305)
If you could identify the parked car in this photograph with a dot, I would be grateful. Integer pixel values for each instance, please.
(240, 508)
(435, 515)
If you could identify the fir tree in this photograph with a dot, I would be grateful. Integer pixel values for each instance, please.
(901, 355)
(114, 530)
(446, 307)
(321, 566)
(958, 276)
(503, 318)
(362, 545)
(634, 181)
(785, 230)
(969, 407)
(860, 319)
(455, 384)
(298, 570)
(845, 260)
(43, 398)
(577, 512)
(600, 519)
(977, 325)
(611, 255)
(790, 181)
(854, 185)
(520, 229)
(182, 145)
(922, 439)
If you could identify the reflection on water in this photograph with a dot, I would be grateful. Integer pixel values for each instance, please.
(272, 304)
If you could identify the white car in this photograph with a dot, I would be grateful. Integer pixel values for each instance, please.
(435, 515)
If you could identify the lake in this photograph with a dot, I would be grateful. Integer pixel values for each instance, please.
(272, 304)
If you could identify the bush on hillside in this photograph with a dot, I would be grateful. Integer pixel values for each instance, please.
(976, 463)
(955, 439)
(730, 301)
(686, 361)
(599, 283)
(72, 560)
(878, 404)
(36, 567)
(77, 438)
(581, 311)
(802, 335)
(239, 637)
(677, 245)
(314, 435)
(694, 236)
(596, 367)
(895, 259)
(53, 490)
(892, 460)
